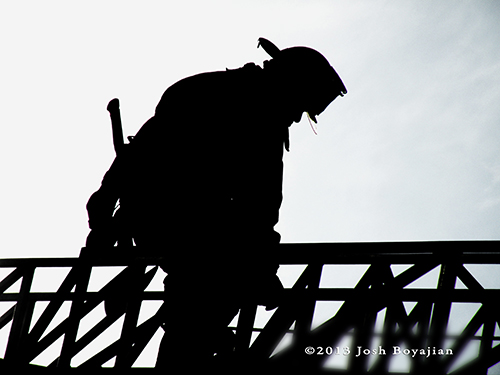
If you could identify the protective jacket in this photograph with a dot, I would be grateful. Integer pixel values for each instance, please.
(202, 179)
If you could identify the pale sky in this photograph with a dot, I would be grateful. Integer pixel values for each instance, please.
(410, 153)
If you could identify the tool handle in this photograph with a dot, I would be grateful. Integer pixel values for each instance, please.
(116, 124)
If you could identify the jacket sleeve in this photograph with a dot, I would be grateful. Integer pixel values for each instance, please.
(260, 180)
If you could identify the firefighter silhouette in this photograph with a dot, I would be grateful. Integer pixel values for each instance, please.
(201, 182)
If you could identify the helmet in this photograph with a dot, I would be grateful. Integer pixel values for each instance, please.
(311, 70)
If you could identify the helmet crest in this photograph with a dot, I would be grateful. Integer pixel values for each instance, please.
(269, 47)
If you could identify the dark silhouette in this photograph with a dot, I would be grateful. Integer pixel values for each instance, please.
(202, 182)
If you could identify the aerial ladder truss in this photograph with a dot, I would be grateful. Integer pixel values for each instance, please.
(384, 323)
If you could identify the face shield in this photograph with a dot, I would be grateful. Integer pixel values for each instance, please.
(319, 105)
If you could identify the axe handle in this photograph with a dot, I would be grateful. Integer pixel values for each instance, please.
(116, 124)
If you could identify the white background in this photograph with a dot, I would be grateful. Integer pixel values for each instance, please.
(411, 153)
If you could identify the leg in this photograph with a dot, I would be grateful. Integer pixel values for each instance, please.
(196, 326)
